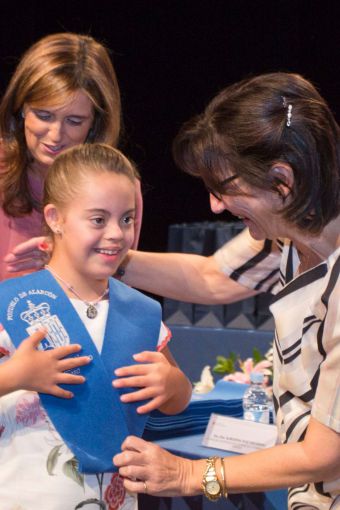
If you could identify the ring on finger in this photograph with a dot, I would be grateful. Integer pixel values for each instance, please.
(145, 487)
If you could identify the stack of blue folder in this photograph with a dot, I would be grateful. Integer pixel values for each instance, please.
(225, 398)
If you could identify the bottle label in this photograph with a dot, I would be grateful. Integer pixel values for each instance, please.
(259, 416)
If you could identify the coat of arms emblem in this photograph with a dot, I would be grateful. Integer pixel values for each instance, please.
(39, 316)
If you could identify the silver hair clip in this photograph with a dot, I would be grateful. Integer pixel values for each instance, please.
(289, 111)
(289, 115)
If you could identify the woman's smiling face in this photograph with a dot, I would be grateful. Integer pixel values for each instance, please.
(258, 209)
(49, 130)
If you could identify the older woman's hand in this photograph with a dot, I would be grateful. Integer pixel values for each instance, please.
(30, 255)
(146, 467)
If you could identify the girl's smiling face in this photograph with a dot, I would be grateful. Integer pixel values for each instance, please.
(97, 228)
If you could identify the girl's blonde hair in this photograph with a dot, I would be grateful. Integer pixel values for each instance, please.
(49, 73)
(69, 169)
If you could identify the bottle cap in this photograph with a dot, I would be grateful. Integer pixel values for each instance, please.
(256, 377)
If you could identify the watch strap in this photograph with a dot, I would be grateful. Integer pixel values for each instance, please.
(210, 479)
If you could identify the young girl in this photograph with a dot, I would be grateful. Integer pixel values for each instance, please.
(59, 456)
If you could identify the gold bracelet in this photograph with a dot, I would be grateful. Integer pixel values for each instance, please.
(224, 489)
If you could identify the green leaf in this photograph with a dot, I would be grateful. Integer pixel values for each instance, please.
(230, 366)
(257, 356)
(221, 359)
(70, 469)
(52, 459)
(225, 365)
(233, 356)
(219, 369)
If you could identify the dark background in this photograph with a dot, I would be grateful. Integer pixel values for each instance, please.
(171, 57)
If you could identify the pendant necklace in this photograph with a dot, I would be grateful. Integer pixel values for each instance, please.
(91, 310)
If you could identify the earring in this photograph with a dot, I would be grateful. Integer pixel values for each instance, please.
(57, 230)
(22, 114)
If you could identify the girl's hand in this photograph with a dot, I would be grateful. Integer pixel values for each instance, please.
(29, 255)
(161, 382)
(43, 371)
(164, 474)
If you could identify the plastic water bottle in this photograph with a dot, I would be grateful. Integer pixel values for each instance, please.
(256, 406)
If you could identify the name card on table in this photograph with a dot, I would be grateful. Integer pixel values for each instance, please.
(237, 435)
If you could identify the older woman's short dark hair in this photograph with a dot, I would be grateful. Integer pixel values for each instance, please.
(250, 126)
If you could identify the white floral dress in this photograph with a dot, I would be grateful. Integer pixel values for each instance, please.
(38, 471)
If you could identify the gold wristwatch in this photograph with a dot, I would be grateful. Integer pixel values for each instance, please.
(210, 485)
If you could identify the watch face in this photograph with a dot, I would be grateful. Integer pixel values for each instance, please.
(213, 488)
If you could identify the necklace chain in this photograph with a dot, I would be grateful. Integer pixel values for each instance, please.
(91, 311)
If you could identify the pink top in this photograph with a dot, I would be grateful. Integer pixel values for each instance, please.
(17, 230)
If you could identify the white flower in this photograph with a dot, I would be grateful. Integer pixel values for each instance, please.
(269, 355)
(206, 383)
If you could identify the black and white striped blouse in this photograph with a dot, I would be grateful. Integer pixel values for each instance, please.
(306, 310)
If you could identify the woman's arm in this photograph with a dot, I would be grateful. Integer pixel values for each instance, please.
(288, 465)
(186, 277)
(314, 459)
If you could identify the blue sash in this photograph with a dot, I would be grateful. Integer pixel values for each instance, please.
(94, 422)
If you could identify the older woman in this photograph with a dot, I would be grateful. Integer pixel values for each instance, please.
(63, 92)
(268, 151)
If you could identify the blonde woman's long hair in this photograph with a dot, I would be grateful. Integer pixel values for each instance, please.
(49, 73)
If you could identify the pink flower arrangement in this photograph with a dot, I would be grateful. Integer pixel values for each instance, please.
(239, 371)
(248, 366)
